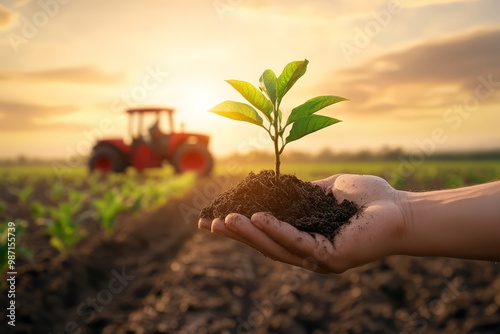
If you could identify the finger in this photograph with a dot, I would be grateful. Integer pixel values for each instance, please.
(326, 183)
(219, 228)
(245, 229)
(204, 224)
(299, 243)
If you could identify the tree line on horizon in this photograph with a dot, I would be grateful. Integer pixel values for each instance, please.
(385, 154)
(326, 155)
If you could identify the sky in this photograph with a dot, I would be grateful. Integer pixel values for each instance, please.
(422, 75)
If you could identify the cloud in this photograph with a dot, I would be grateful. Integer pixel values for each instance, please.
(431, 74)
(423, 3)
(336, 9)
(20, 3)
(78, 74)
(32, 117)
(8, 18)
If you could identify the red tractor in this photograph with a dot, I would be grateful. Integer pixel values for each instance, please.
(185, 151)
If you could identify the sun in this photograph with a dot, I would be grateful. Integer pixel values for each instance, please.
(203, 96)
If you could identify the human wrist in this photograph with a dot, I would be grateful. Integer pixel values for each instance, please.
(462, 222)
(403, 200)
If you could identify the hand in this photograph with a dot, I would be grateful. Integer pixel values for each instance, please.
(379, 230)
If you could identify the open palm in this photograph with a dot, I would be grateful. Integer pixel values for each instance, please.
(377, 231)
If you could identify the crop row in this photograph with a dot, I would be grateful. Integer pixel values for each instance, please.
(64, 206)
(405, 175)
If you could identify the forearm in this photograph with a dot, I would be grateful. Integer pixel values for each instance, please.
(461, 223)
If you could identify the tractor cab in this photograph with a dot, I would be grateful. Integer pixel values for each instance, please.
(144, 130)
(149, 146)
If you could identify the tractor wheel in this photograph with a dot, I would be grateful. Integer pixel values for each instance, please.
(193, 157)
(107, 159)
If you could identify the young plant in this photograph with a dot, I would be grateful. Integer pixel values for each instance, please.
(38, 210)
(25, 193)
(64, 229)
(108, 208)
(302, 119)
(64, 224)
(111, 205)
(56, 191)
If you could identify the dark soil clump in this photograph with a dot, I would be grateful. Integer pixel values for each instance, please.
(301, 204)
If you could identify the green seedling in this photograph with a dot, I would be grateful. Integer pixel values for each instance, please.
(153, 194)
(64, 229)
(302, 119)
(38, 210)
(64, 223)
(132, 197)
(108, 208)
(76, 200)
(56, 191)
(454, 181)
(157, 193)
(25, 193)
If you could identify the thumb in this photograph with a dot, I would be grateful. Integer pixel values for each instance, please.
(326, 183)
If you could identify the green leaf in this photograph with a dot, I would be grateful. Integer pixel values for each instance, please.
(307, 125)
(25, 193)
(58, 244)
(38, 209)
(254, 96)
(268, 84)
(291, 73)
(311, 106)
(237, 111)
(56, 191)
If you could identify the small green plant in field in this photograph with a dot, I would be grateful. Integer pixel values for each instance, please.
(56, 191)
(38, 210)
(64, 230)
(64, 223)
(108, 207)
(111, 204)
(132, 196)
(302, 119)
(76, 200)
(25, 193)
(454, 181)
(157, 193)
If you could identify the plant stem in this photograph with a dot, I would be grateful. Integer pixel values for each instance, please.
(276, 145)
(277, 161)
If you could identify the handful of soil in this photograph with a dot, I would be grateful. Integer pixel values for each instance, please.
(301, 204)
